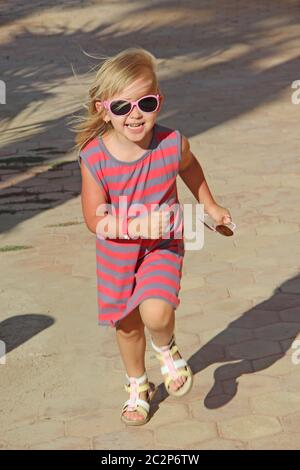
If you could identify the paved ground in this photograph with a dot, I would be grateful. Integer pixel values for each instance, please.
(233, 65)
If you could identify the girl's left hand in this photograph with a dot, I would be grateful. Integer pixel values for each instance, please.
(220, 214)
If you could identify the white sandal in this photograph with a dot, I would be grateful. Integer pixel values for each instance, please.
(136, 385)
(170, 368)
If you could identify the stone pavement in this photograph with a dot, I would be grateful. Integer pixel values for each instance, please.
(238, 320)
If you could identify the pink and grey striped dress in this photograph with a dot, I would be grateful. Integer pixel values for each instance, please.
(130, 271)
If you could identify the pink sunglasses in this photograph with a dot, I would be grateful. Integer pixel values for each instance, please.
(146, 104)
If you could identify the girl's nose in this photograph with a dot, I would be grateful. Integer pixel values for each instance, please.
(135, 111)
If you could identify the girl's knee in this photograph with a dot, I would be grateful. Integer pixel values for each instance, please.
(131, 326)
(157, 314)
(130, 333)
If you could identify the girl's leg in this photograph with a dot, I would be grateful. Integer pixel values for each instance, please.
(131, 340)
(159, 317)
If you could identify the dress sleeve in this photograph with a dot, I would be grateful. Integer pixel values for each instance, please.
(92, 161)
(178, 143)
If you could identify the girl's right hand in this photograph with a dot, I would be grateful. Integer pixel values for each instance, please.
(152, 226)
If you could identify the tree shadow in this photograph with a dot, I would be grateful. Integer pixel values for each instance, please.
(254, 342)
(14, 10)
(18, 329)
(48, 189)
(221, 86)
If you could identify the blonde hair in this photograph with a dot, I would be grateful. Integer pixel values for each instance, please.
(115, 74)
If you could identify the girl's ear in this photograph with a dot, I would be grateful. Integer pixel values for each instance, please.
(99, 107)
(162, 99)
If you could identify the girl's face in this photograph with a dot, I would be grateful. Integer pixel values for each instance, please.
(138, 89)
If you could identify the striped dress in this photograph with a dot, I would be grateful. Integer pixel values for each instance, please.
(130, 271)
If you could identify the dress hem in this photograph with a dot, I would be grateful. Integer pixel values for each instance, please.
(114, 324)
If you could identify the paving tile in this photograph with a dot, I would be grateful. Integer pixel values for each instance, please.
(93, 424)
(290, 314)
(128, 439)
(32, 434)
(185, 434)
(221, 444)
(277, 331)
(253, 349)
(249, 427)
(280, 441)
(227, 336)
(229, 279)
(251, 385)
(167, 414)
(291, 422)
(282, 403)
(216, 409)
(275, 366)
(64, 443)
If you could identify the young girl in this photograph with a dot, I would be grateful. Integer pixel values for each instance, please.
(126, 155)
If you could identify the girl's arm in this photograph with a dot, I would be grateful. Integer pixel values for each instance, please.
(192, 174)
(92, 196)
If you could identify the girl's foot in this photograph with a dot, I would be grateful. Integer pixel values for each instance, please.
(136, 410)
(135, 415)
(178, 383)
(177, 373)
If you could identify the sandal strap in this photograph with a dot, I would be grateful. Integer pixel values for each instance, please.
(182, 373)
(165, 355)
(143, 378)
(140, 404)
(136, 385)
(172, 351)
(159, 349)
(141, 388)
(179, 363)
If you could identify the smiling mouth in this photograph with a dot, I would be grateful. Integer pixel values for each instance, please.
(134, 126)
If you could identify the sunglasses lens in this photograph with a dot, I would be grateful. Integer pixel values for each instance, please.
(148, 105)
(119, 108)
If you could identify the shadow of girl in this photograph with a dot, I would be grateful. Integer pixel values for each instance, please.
(254, 342)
